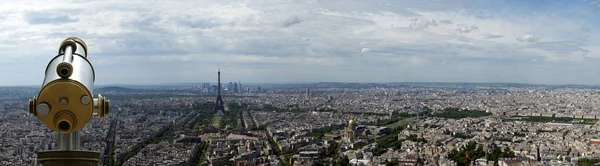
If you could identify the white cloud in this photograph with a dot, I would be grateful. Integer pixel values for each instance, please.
(365, 50)
(595, 2)
(422, 23)
(529, 38)
(491, 36)
(467, 28)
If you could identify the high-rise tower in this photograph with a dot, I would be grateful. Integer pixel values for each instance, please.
(219, 108)
(235, 87)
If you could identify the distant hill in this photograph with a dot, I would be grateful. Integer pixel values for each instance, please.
(348, 85)
(117, 89)
(331, 85)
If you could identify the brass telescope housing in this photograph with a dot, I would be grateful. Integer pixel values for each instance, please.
(65, 103)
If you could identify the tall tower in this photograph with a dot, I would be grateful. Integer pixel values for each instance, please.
(219, 108)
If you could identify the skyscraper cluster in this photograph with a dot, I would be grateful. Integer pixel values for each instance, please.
(205, 85)
(232, 87)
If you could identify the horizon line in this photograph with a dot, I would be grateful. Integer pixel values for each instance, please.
(307, 82)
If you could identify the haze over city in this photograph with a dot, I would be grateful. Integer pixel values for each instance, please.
(156, 42)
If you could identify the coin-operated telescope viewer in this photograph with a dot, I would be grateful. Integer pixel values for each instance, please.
(65, 104)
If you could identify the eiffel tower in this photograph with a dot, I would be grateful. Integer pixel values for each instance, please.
(219, 108)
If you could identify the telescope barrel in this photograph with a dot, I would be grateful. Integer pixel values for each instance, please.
(73, 63)
(68, 54)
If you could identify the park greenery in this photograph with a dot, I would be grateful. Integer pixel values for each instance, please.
(205, 115)
(449, 112)
(547, 119)
(456, 113)
(216, 122)
(388, 141)
(391, 140)
(384, 122)
(320, 133)
(231, 117)
(475, 151)
(587, 161)
(343, 161)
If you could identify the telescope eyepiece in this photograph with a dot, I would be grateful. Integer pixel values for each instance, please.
(64, 70)
(65, 121)
(64, 125)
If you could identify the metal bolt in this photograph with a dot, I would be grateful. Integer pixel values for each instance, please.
(85, 100)
(43, 109)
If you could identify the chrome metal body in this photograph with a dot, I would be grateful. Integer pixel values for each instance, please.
(84, 71)
(68, 141)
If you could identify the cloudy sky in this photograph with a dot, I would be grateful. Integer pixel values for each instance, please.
(155, 42)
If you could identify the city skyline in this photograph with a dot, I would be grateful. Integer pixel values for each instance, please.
(339, 123)
(144, 42)
(254, 84)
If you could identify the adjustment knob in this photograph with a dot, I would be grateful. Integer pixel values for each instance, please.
(103, 107)
(43, 109)
(32, 106)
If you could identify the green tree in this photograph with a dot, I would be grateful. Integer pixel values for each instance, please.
(343, 162)
(394, 162)
(508, 153)
(587, 162)
(474, 150)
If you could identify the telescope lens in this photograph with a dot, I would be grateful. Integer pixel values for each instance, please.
(64, 71)
(64, 125)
